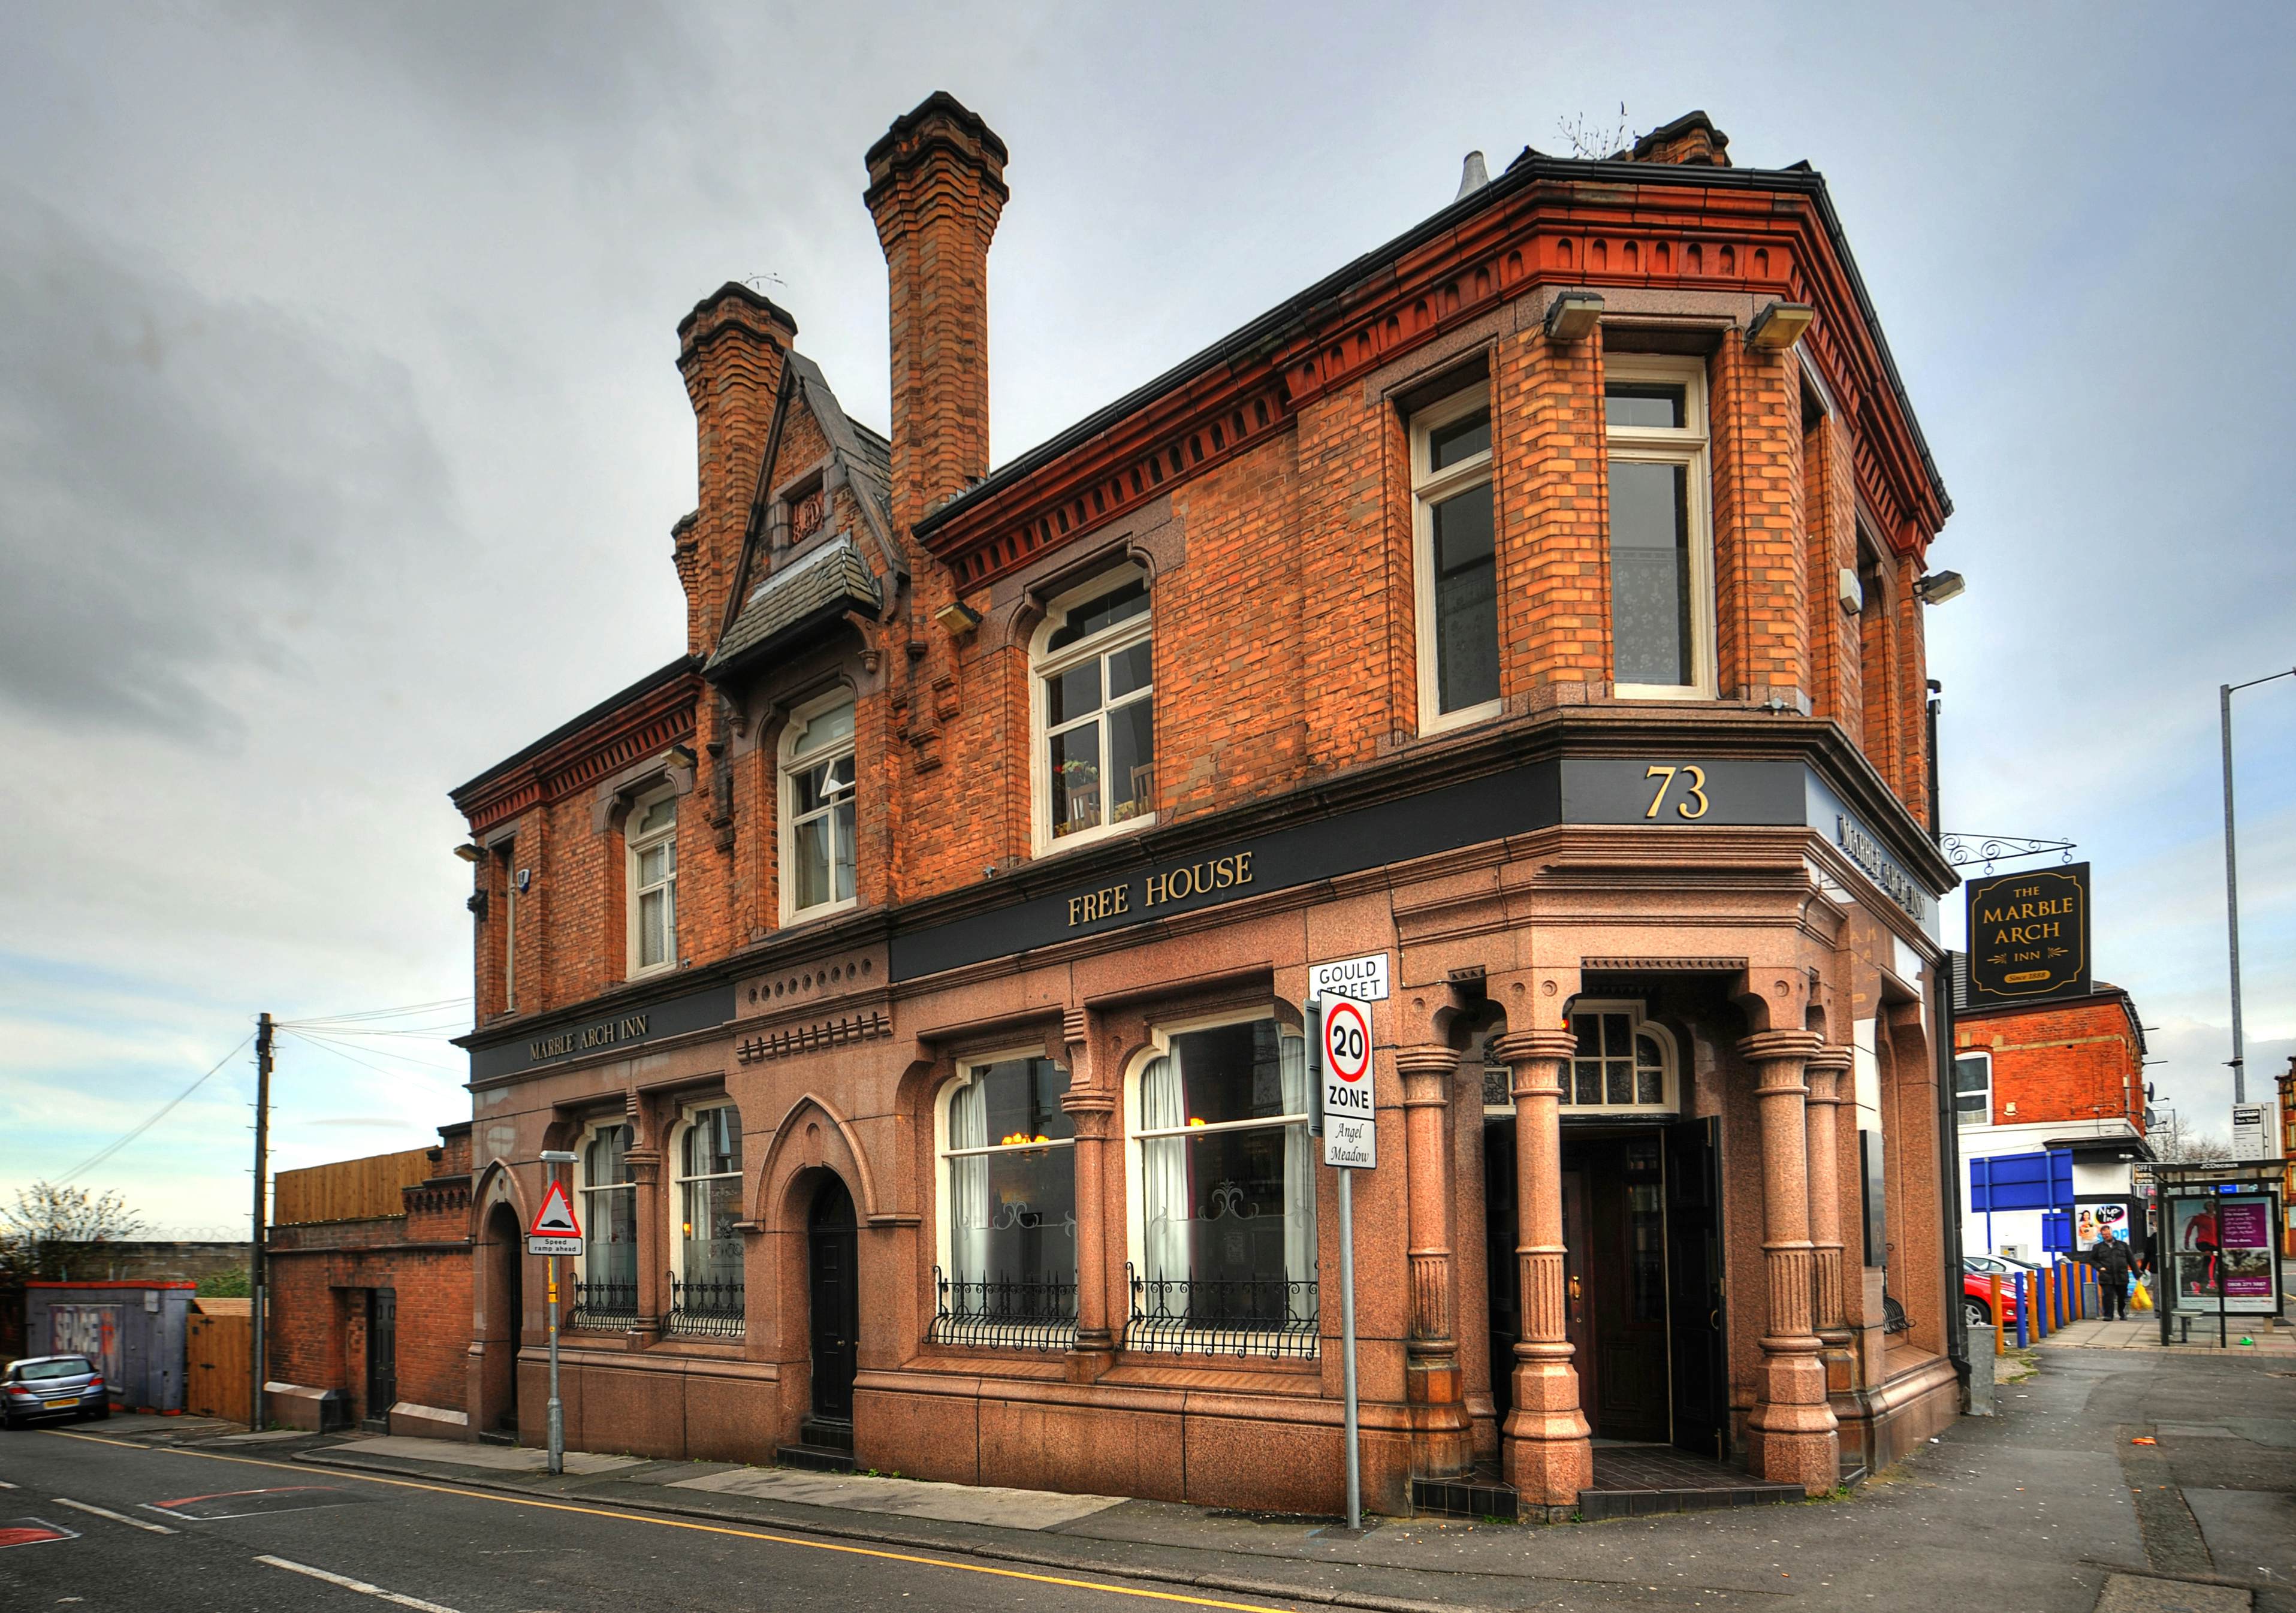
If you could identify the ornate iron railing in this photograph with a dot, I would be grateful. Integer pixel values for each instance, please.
(1010, 1313)
(1223, 1315)
(609, 1303)
(713, 1309)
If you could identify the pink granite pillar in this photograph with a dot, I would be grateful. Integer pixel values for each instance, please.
(1790, 1433)
(1549, 1458)
(1442, 1443)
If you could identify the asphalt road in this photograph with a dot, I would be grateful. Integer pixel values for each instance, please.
(99, 1525)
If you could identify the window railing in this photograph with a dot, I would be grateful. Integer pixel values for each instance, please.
(710, 1309)
(1009, 1312)
(1274, 1317)
(609, 1303)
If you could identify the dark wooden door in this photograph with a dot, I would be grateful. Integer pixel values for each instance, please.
(381, 1353)
(1578, 1310)
(1500, 1236)
(1627, 1271)
(1694, 1289)
(834, 1248)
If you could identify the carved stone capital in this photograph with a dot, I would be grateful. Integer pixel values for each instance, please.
(1825, 1071)
(1766, 1045)
(1426, 1071)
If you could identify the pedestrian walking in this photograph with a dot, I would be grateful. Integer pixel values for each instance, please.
(2113, 1262)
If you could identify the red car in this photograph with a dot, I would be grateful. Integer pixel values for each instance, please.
(1977, 1274)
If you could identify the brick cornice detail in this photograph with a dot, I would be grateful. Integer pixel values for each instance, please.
(1553, 234)
(652, 722)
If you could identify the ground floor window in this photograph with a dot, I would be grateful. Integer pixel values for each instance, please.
(1008, 1181)
(606, 1293)
(1225, 1190)
(706, 1291)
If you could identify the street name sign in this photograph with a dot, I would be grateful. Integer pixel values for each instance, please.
(555, 1230)
(1362, 979)
(1350, 1122)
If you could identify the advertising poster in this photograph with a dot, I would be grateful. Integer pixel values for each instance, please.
(92, 1330)
(2094, 1220)
(2223, 1244)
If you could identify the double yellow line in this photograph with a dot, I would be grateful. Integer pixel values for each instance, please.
(704, 1528)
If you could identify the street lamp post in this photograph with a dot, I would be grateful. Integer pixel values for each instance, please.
(2224, 691)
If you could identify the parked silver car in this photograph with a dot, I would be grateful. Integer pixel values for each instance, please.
(53, 1386)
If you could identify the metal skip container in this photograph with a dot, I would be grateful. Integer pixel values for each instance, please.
(134, 1331)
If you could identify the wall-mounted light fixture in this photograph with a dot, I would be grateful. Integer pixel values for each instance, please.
(1573, 315)
(1779, 326)
(1851, 592)
(1940, 586)
(957, 618)
(469, 854)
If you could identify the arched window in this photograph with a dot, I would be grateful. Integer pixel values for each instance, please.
(1008, 1267)
(1224, 1206)
(819, 870)
(1623, 1064)
(705, 1285)
(606, 1294)
(1094, 704)
(652, 879)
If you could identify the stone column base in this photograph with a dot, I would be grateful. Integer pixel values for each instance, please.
(1791, 1436)
(1546, 1451)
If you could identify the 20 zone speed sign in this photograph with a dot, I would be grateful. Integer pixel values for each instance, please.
(1350, 1134)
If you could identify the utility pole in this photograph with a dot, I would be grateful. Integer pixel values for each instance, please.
(262, 1170)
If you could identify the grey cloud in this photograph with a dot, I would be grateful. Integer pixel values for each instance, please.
(180, 478)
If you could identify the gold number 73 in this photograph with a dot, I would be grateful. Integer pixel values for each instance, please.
(1693, 785)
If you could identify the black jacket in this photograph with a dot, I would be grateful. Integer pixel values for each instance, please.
(2112, 1260)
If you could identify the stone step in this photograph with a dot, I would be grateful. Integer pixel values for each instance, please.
(819, 1459)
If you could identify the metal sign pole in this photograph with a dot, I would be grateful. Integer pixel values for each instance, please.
(1348, 1342)
(557, 1412)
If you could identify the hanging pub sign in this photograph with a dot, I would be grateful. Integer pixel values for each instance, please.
(2028, 937)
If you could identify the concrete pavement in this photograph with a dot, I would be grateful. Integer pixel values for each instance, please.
(2048, 1507)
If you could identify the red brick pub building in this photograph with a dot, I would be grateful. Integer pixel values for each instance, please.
(916, 964)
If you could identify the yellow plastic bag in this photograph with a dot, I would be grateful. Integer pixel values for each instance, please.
(2140, 1297)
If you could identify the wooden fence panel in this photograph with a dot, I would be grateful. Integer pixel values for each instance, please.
(218, 1355)
(349, 1190)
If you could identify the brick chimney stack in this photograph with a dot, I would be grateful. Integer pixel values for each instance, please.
(730, 350)
(937, 189)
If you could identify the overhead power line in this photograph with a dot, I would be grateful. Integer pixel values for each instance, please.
(100, 1155)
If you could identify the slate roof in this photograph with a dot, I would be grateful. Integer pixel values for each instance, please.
(817, 588)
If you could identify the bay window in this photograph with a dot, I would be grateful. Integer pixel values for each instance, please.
(817, 780)
(1456, 562)
(1095, 716)
(1660, 549)
(1008, 1273)
(1225, 1195)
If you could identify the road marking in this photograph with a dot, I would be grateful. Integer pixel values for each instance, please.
(133, 1523)
(4, 1484)
(701, 1528)
(32, 1532)
(360, 1585)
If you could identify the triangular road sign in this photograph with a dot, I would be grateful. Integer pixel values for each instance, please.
(555, 1218)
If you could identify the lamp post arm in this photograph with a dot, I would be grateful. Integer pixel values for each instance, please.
(2224, 691)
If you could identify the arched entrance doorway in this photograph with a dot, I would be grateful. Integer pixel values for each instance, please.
(503, 1312)
(833, 1248)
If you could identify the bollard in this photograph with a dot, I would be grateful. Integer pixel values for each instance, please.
(2000, 1348)
(2024, 1310)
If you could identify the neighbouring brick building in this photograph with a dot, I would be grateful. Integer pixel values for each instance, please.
(369, 1275)
(915, 962)
(2049, 1103)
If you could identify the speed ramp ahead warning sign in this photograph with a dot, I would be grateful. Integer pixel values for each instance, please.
(554, 1232)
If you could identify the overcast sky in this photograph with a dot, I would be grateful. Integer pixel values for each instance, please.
(340, 434)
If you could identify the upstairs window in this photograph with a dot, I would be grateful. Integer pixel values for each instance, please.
(1456, 560)
(1661, 551)
(1973, 1089)
(817, 809)
(1095, 712)
(654, 883)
